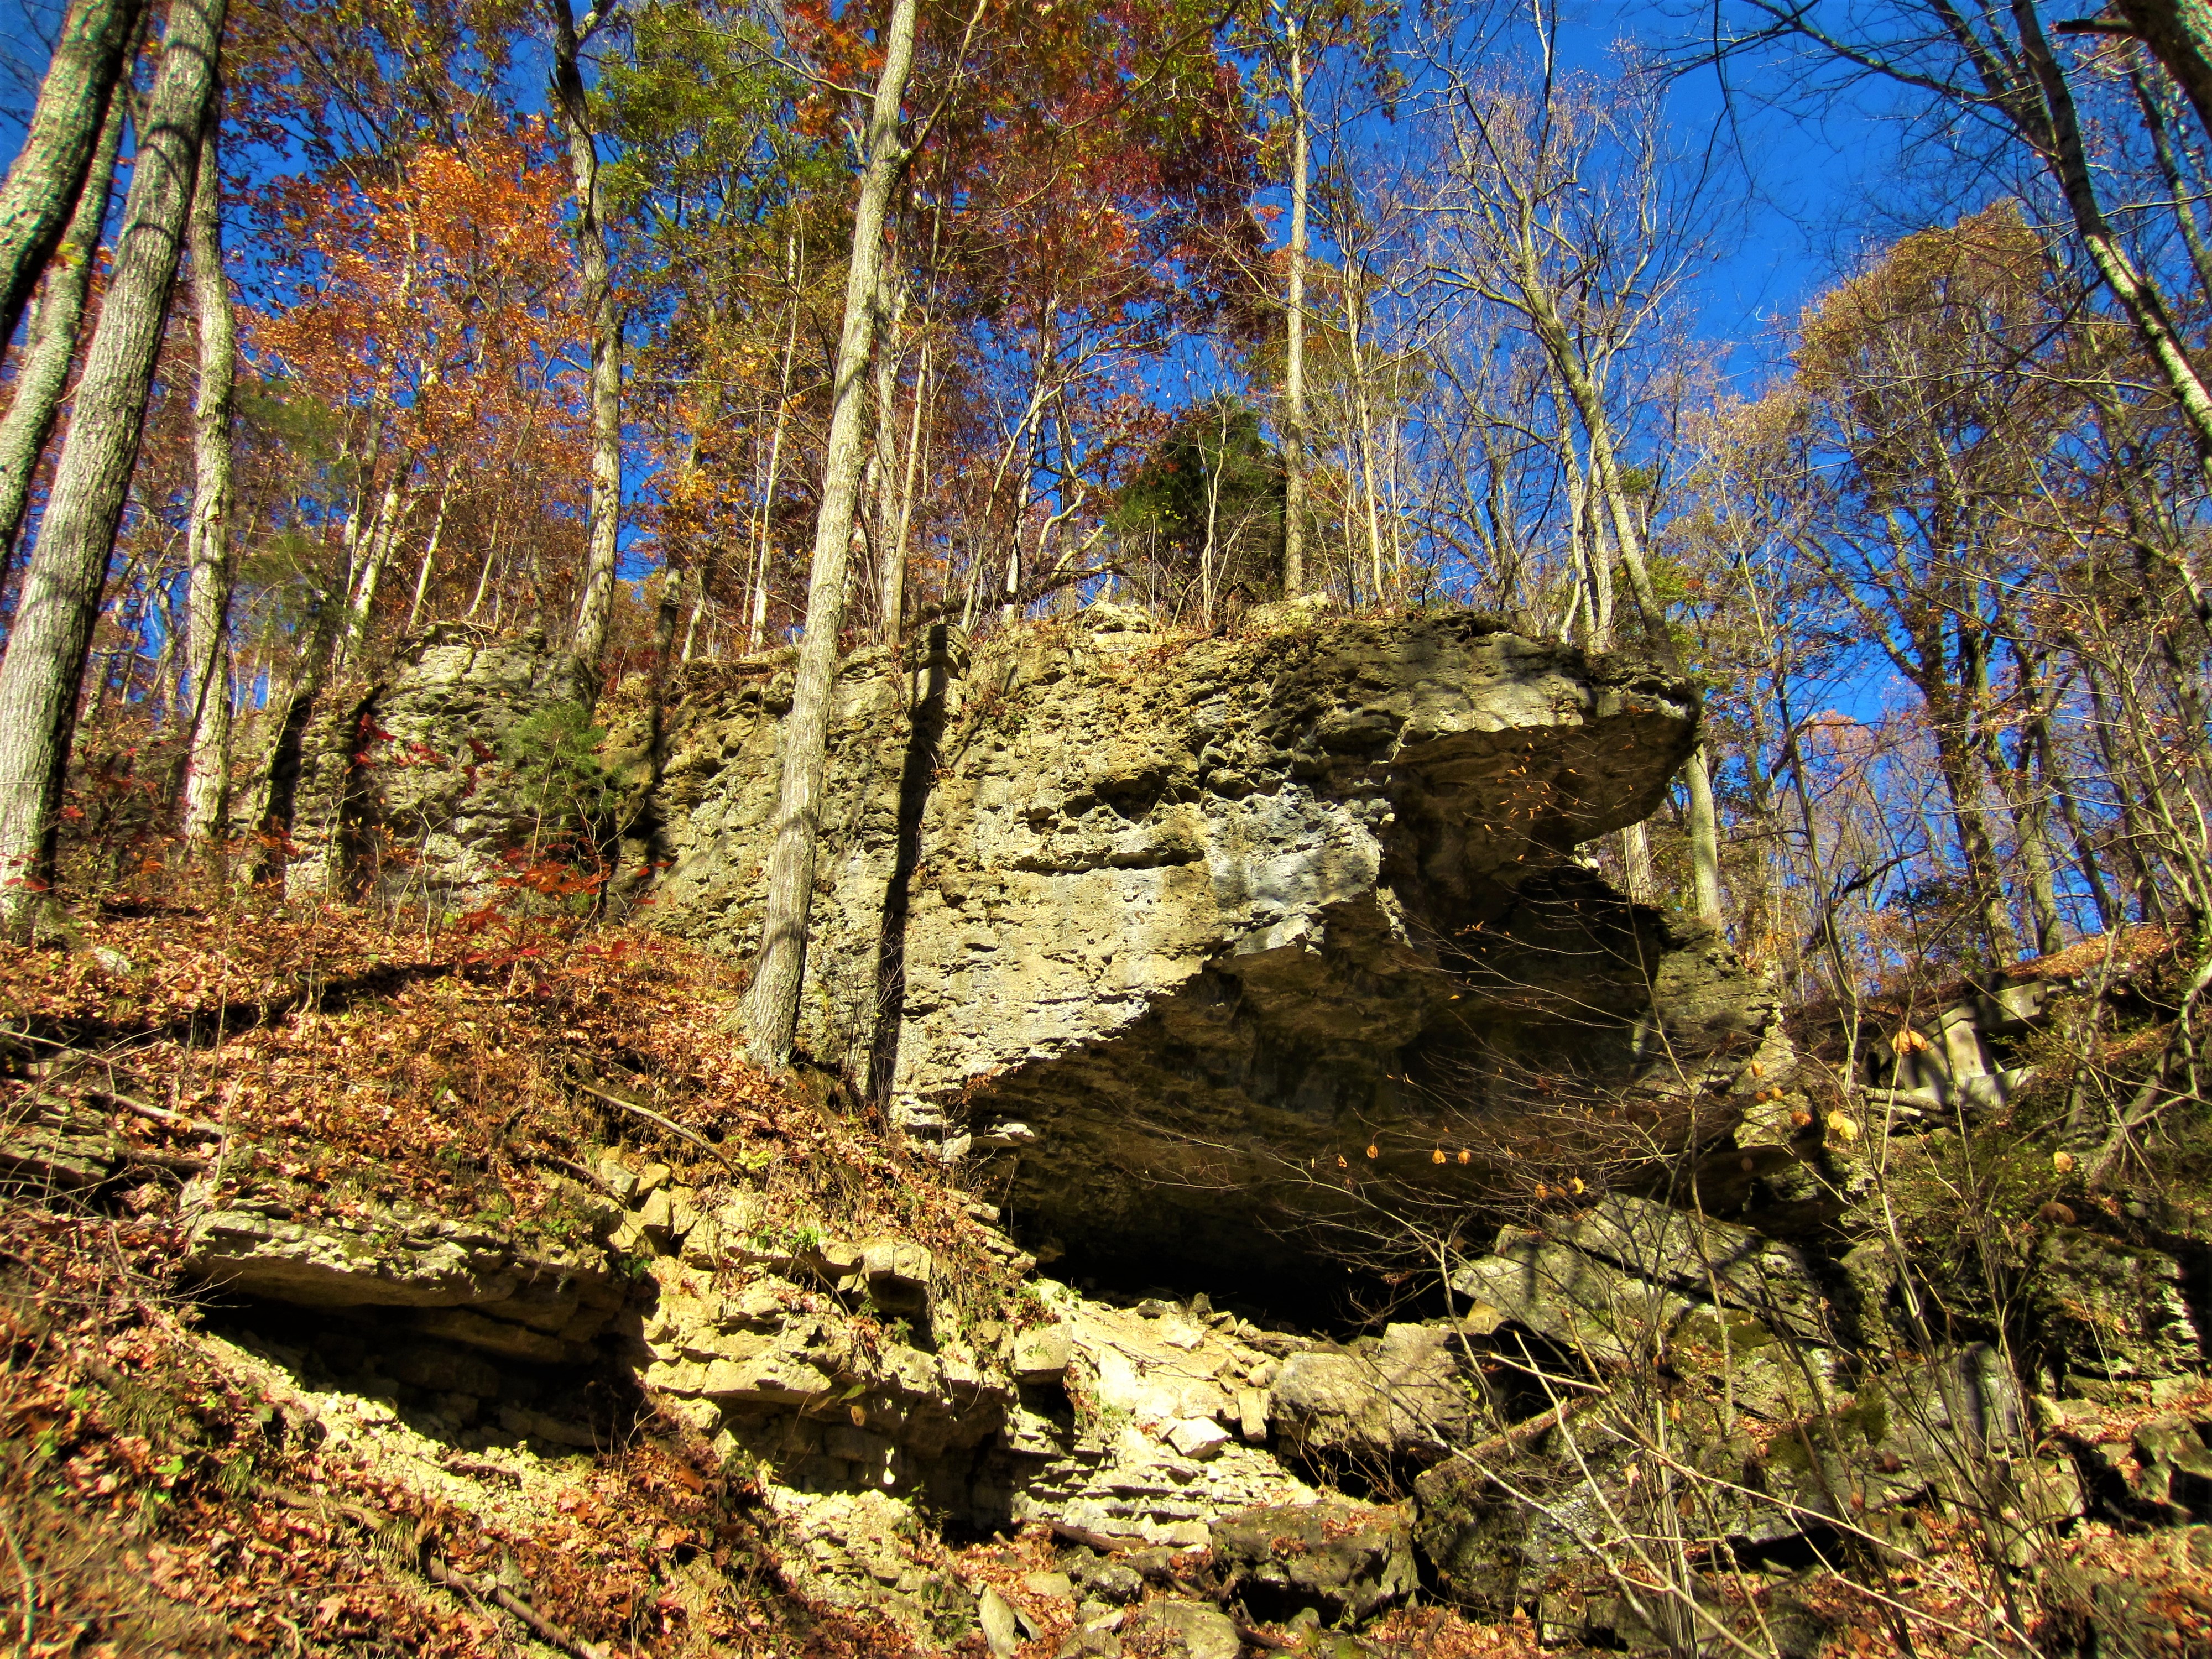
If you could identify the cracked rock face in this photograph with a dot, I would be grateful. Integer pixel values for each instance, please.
(1148, 921)
(1153, 925)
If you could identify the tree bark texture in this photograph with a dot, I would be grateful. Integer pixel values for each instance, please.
(50, 346)
(2179, 35)
(209, 552)
(59, 603)
(43, 187)
(595, 607)
(772, 999)
(1294, 339)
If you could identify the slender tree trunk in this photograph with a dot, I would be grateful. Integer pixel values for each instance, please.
(1704, 838)
(59, 604)
(757, 623)
(2087, 856)
(2179, 35)
(772, 999)
(48, 177)
(49, 348)
(891, 557)
(1364, 414)
(208, 544)
(1294, 349)
(1636, 863)
(595, 608)
(429, 555)
(895, 591)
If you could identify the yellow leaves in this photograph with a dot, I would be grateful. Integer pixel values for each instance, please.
(1909, 1041)
(1841, 1127)
(2061, 1160)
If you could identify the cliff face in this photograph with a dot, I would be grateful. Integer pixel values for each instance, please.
(1157, 927)
(1149, 922)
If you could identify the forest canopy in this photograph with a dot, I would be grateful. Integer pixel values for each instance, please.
(687, 331)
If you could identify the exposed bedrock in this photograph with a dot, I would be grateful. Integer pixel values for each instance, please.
(1148, 921)
(1159, 926)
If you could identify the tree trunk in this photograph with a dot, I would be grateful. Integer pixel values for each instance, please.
(890, 556)
(772, 999)
(895, 599)
(50, 349)
(1294, 346)
(756, 619)
(59, 603)
(595, 609)
(1363, 413)
(1704, 839)
(48, 177)
(2179, 35)
(209, 546)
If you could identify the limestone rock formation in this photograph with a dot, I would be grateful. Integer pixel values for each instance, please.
(1150, 921)
(1154, 920)
(432, 801)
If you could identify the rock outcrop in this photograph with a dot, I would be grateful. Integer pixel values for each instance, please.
(1146, 922)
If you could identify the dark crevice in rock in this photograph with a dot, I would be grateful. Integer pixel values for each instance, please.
(461, 1394)
(917, 779)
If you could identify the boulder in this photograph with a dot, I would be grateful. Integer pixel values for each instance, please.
(1178, 1629)
(1345, 1560)
(2112, 1312)
(1404, 1396)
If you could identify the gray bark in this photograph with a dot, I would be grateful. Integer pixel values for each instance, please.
(210, 564)
(42, 374)
(595, 609)
(43, 187)
(59, 604)
(1294, 346)
(772, 999)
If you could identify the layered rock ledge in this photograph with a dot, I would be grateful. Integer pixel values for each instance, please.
(1157, 925)
(1150, 921)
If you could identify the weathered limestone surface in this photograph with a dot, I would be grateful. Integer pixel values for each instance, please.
(1145, 918)
(429, 806)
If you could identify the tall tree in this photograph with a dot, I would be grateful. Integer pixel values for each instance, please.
(50, 345)
(210, 557)
(48, 176)
(1294, 323)
(772, 999)
(60, 597)
(595, 608)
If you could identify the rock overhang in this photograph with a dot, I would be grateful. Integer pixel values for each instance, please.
(1094, 900)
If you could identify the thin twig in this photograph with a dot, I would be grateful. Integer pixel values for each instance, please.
(652, 1116)
(540, 1626)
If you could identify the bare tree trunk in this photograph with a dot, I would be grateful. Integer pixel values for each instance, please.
(757, 623)
(1363, 410)
(1294, 347)
(1636, 863)
(890, 553)
(1704, 838)
(895, 601)
(772, 999)
(429, 555)
(60, 599)
(595, 609)
(42, 371)
(48, 177)
(209, 547)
